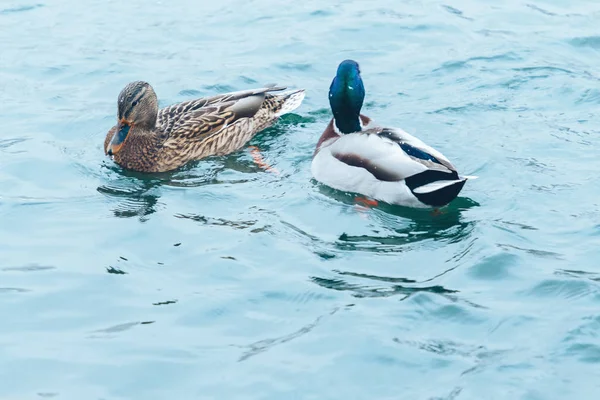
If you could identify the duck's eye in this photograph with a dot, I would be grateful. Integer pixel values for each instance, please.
(135, 103)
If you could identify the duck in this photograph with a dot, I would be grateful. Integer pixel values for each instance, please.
(355, 154)
(146, 139)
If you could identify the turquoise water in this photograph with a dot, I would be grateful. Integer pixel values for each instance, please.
(223, 281)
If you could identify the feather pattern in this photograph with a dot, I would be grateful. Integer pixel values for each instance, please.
(387, 164)
(199, 128)
(356, 155)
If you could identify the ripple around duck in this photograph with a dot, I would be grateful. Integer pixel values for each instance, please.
(415, 227)
(137, 194)
(139, 202)
(448, 223)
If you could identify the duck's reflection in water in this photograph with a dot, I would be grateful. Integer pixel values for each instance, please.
(405, 226)
(138, 194)
(396, 230)
(394, 286)
(381, 286)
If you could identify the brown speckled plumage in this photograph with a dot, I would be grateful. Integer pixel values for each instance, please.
(166, 139)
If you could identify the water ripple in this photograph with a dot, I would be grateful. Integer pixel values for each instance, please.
(565, 288)
(28, 268)
(541, 10)
(592, 42)
(218, 221)
(456, 11)
(20, 9)
(363, 291)
(494, 267)
(266, 344)
(225, 271)
(13, 290)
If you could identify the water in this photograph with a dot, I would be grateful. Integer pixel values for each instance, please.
(223, 281)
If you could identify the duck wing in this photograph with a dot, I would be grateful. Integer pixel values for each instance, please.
(173, 118)
(392, 155)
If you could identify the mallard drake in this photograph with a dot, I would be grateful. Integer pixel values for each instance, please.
(356, 155)
(147, 139)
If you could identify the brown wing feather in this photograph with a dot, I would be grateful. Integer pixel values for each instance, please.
(169, 116)
(215, 126)
(195, 127)
(210, 120)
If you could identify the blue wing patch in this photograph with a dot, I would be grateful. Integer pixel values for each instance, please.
(408, 149)
(417, 153)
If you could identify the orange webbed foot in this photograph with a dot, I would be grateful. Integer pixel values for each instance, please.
(437, 212)
(366, 201)
(259, 160)
(363, 205)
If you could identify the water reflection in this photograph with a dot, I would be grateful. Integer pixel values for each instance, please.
(115, 271)
(217, 221)
(399, 285)
(113, 331)
(137, 199)
(266, 344)
(593, 276)
(399, 229)
(381, 286)
(408, 225)
(361, 291)
(137, 194)
(5, 144)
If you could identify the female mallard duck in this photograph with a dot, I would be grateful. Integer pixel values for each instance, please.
(147, 139)
(356, 155)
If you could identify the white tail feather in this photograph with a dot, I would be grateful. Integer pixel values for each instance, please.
(292, 101)
(434, 186)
